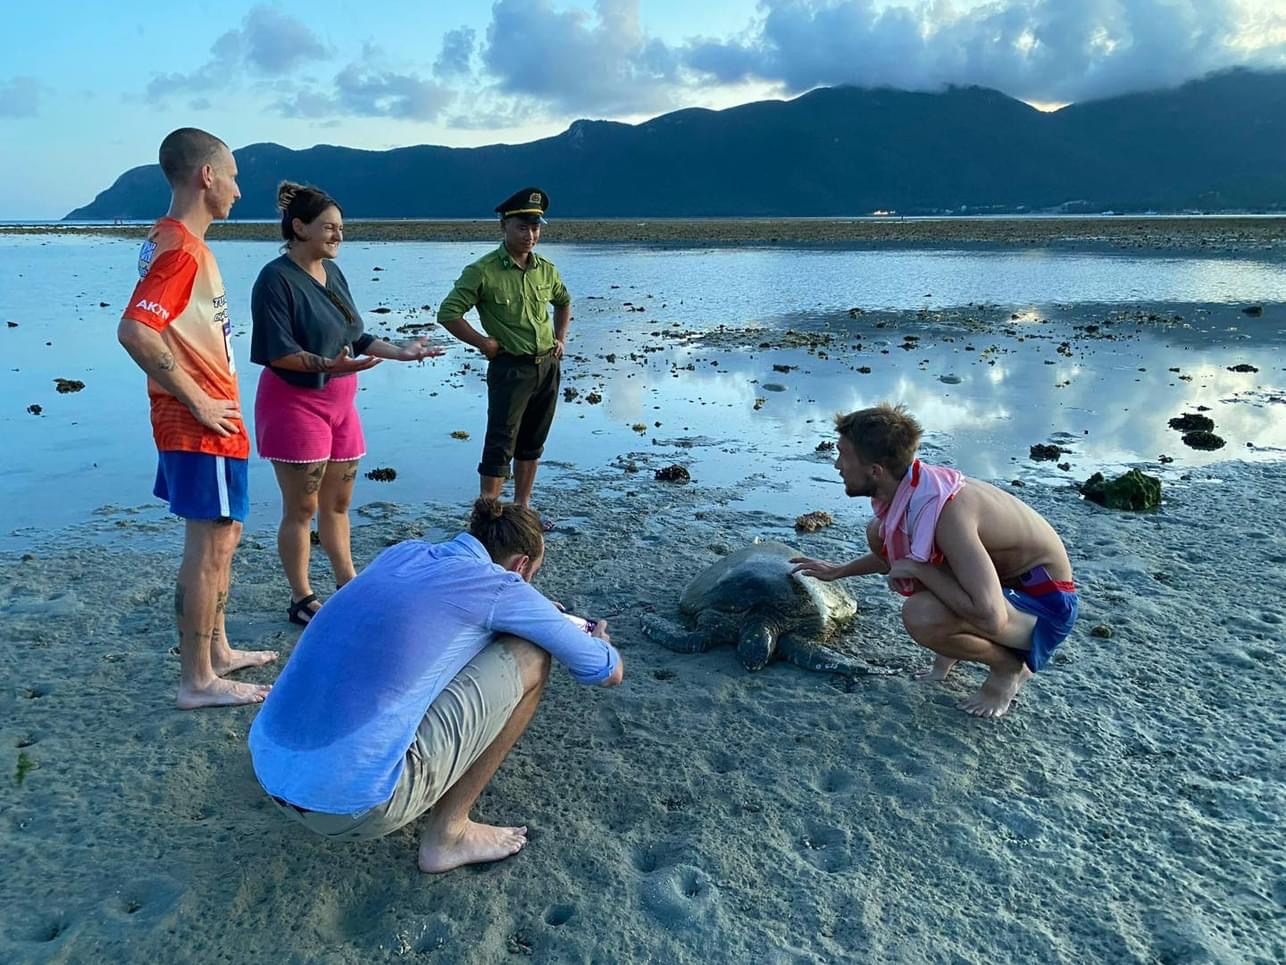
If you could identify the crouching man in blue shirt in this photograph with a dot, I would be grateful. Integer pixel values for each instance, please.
(412, 684)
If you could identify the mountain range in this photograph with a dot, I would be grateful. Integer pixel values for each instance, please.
(1215, 144)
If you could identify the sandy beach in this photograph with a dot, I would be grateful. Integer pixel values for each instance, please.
(1128, 809)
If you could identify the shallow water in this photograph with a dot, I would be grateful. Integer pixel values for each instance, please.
(984, 395)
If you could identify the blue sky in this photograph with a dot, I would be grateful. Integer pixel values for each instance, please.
(88, 89)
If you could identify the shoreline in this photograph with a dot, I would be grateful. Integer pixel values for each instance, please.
(1217, 235)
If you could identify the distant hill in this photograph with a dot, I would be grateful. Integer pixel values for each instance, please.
(1214, 144)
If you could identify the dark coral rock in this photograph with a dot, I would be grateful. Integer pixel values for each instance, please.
(1191, 422)
(382, 474)
(1242, 367)
(1043, 453)
(1203, 440)
(675, 473)
(1134, 490)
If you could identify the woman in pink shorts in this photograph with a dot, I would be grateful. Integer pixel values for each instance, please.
(308, 336)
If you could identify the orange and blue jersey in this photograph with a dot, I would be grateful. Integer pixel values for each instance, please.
(180, 295)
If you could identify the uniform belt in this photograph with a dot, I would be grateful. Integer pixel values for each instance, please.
(529, 359)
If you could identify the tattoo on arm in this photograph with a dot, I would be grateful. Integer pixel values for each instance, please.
(166, 362)
(312, 362)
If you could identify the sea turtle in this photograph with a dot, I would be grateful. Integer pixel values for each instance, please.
(751, 599)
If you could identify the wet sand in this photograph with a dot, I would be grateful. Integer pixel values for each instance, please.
(1127, 810)
(1210, 234)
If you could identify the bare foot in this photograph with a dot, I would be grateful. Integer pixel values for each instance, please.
(220, 693)
(474, 844)
(997, 693)
(938, 670)
(230, 661)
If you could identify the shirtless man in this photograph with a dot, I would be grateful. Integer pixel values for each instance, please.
(986, 577)
(176, 329)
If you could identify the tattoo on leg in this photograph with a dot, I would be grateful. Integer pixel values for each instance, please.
(315, 474)
(178, 600)
(221, 602)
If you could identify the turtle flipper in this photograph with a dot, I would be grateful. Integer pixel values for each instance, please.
(813, 656)
(673, 638)
(756, 646)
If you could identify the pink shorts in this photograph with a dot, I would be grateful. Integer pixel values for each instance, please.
(307, 425)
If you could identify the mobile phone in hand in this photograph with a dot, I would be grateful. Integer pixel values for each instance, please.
(586, 625)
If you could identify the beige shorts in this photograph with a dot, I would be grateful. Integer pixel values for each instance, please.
(462, 722)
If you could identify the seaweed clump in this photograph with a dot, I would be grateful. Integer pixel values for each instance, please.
(1192, 422)
(1202, 439)
(1135, 490)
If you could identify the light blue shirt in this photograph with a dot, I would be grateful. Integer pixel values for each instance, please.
(333, 733)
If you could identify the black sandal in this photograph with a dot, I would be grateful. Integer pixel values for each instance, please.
(298, 607)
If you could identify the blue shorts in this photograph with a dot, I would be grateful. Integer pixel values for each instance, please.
(201, 486)
(1055, 613)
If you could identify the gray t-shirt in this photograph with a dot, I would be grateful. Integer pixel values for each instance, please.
(292, 313)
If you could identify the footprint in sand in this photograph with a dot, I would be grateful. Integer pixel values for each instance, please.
(826, 848)
(46, 928)
(649, 857)
(721, 762)
(147, 902)
(556, 915)
(680, 896)
(835, 781)
(609, 726)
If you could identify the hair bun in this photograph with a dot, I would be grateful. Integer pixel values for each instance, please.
(487, 510)
(286, 192)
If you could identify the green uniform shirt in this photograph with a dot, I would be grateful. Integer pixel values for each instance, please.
(511, 302)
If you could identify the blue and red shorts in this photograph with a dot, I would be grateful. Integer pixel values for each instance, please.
(1053, 603)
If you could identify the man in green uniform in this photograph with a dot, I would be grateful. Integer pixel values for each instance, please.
(511, 288)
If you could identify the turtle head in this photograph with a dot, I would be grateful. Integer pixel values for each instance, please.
(756, 645)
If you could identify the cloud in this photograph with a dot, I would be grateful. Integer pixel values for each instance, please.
(20, 97)
(268, 43)
(575, 62)
(375, 93)
(364, 89)
(456, 57)
(275, 43)
(1046, 50)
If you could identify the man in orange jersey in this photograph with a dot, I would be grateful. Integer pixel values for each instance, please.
(176, 328)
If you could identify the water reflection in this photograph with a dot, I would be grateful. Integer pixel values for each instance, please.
(985, 395)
